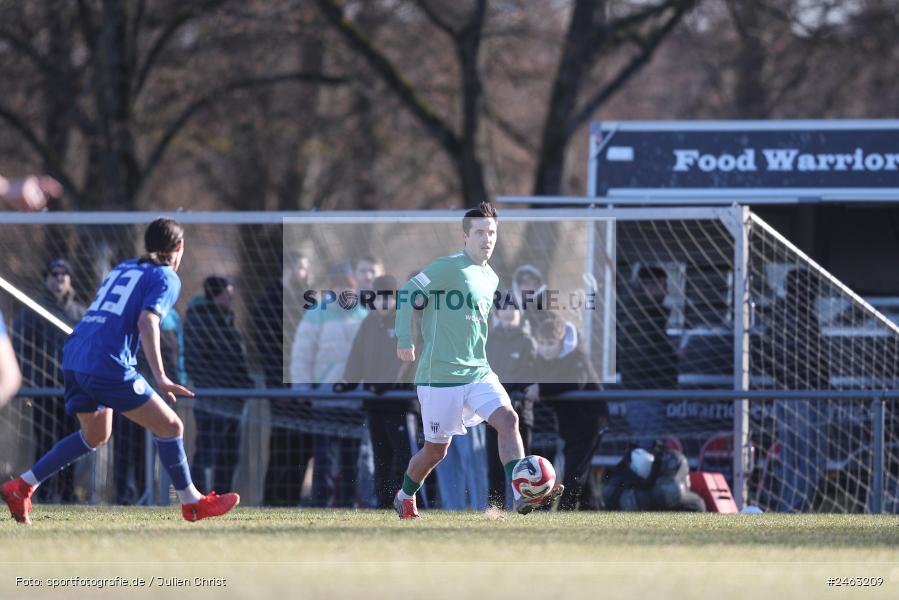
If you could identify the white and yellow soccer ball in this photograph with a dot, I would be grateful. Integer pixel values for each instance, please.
(533, 477)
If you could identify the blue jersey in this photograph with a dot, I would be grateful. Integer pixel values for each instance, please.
(105, 341)
(2, 326)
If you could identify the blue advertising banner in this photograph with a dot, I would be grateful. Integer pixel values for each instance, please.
(850, 159)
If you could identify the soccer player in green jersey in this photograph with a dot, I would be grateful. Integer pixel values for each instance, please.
(456, 386)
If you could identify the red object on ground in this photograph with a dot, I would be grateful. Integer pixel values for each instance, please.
(210, 505)
(713, 489)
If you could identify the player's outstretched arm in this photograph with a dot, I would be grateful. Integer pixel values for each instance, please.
(148, 325)
(10, 376)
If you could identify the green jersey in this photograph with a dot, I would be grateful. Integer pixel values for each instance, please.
(458, 295)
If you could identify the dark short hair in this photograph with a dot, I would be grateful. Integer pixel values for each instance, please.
(215, 285)
(482, 211)
(552, 327)
(384, 283)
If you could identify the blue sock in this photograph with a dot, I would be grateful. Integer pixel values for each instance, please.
(173, 458)
(66, 451)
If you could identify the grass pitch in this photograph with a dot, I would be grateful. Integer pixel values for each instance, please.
(269, 553)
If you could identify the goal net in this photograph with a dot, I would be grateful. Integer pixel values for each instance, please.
(707, 299)
(689, 290)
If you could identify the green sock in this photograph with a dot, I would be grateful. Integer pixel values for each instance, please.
(410, 487)
(509, 466)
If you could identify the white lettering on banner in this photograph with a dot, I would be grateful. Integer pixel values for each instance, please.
(685, 159)
(780, 159)
(620, 153)
(784, 159)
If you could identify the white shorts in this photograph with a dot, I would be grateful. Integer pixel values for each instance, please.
(447, 411)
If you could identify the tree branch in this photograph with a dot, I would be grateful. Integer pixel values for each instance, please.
(392, 77)
(509, 129)
(165, 37)
(88, 27)
(29, 51)
(46, 153)
(624, 75)
(468, 47)
(212, 97)
(624, 26)
(435, 18)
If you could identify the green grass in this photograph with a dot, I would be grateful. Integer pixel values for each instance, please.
(368, 554)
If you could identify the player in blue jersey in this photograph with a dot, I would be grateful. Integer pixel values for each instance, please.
(100, 376)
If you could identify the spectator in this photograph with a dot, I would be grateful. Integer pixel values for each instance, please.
(38, 344)
(529, 291)
(366, 270)
(793, 356)
(562, 366)
(511, 351)
(319, 354)
(129, 441)
(647, 360)
(214, 358)
(289, 448)
(10, 376)
(373, 361)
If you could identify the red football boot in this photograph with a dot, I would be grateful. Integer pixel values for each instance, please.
(406, 509)
(17, 495)
(211, 505)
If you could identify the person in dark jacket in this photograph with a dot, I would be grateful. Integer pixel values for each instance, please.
(647, 360)
(563, 366)
(289, 448)
(373, 362)
(38, 344)
(511, 351)
(214, 357)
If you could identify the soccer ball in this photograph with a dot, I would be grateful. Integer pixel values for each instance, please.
(533, 477)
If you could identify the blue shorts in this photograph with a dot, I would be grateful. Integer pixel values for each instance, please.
(86, 393)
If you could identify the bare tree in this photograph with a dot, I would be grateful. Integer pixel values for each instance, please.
(594, 37)
(122, 51)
